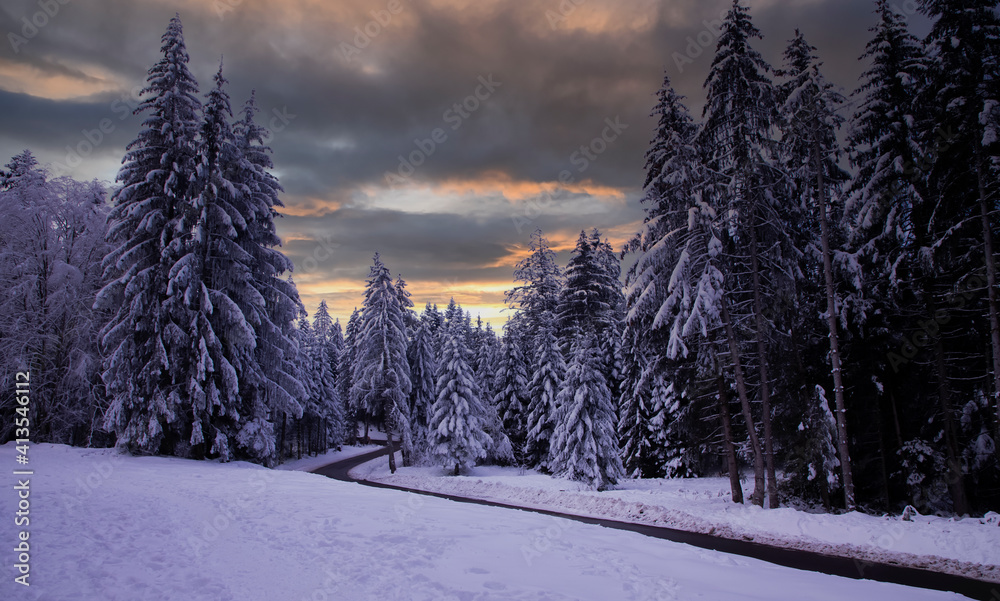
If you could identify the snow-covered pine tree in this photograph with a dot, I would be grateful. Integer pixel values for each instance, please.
(345, 368)
(675, 295)
(511, 385)
(312, 379)
(546, 381)
(584, 444)
(737, 138)
(812, 463)
(330, 414)
(381, 381)
(322, 323)
(423, 376)
(540, 280)
(585, 301)
(277, 389)
(209, 286)
(810, 124)
(141, 340)
(458, 434)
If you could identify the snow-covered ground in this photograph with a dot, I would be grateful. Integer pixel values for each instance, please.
(968, 547)
(133, 529)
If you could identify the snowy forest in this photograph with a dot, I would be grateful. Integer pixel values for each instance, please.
(810, 306)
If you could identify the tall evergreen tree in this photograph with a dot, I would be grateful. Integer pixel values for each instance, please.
(676, 294)
(381, 380)
(273, 314)
(541, 281)
(737, 137)
(209, 286)
(345, 367)
(511, 385)
(546, 381)
(458, 432)
(423, 375)
(584, 444)
(811, 122)
(142, 339)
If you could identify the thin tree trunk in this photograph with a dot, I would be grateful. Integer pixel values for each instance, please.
(881, 454)
(392, 451)
(281, 445)
(757, 498)
(991, 288)
(895, 421)
(953, 474)
(765, 386)
(831, 322)
(727, 434)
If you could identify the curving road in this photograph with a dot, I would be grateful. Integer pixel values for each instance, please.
(801, 560)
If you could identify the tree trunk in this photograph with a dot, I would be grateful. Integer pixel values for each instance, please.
(281, 443)
(765, 385)
(366, 439)
(953, 474)
(831, 321)
(727, 434)
(392, 449)
(298, 438)
(757, 498)
(991, 288)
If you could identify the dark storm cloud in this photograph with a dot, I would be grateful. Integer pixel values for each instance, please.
(341, 120)
(556, 86)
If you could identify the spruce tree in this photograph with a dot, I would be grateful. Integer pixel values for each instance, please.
(540, 282)
(458, 433)
(345, 368)
(142, 340)
(511, 398)
(423, 375)
(962, 93)
(737, 137)
(546, 381)
(584, 444)
(272, 315)
(810, 141)
(209, 286)
(381, 379)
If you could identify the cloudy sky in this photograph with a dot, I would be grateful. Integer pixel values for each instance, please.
(440, 133)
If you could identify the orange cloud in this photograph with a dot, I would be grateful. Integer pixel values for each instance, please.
(21, 78)
(310, 206)
(496, 182)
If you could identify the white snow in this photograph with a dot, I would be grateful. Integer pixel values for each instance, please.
(968, 546)
(132, 529)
